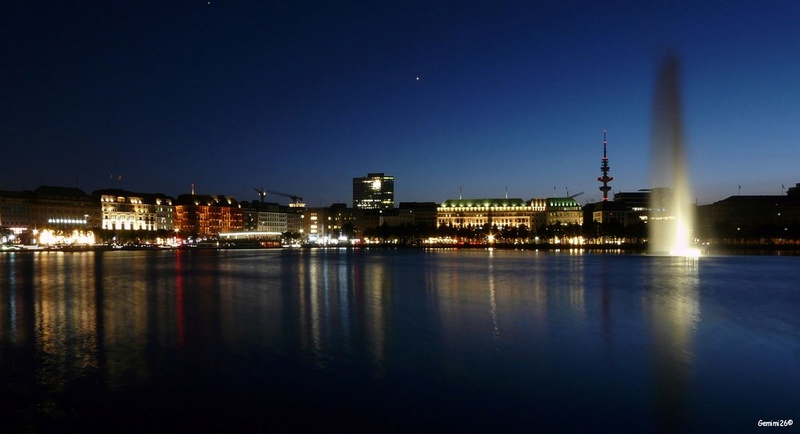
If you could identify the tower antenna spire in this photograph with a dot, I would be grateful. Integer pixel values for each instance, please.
(604, 169)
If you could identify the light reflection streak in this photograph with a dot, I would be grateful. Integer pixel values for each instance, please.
(64, 313)
(467, 301)
(577, 287)
(303, 302)
(12, 298)
(493, 303)
(605, 301)
(377, 293)
(343, 302)
(228, 295)
(540, 301)
(343, 284)
(126, 315)
(180, 319)
(674, 307)
(316, 310)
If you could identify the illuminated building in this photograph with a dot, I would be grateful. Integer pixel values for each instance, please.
(636, 206)
(295, 212)
(324, 225)
(125, 210)
(418, 214)
(374, 191)
(753, 216)
(609, 212)
(424, 212)
(555, 211)
(409, 213)
(206, 215)
(475, 213)
(294, 218)
(509, 213)
(264, 217)
(632, 207)
(63, 208)
(314, 224)
(15, 211)
(342, 220)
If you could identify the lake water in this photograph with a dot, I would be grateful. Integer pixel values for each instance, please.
(397, 340)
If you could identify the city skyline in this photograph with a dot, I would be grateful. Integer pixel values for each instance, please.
(452, 99)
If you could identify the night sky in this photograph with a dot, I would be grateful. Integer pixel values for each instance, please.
(479, 97)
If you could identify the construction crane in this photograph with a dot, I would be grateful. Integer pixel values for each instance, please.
(575, 195)
(261, 193)
(293, 197)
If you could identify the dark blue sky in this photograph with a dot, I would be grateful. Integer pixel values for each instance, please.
(301, 97)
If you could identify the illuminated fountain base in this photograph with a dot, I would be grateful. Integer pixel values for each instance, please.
(689, 252)
(681, 245)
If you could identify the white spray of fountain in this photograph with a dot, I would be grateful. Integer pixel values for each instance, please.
(672, 215)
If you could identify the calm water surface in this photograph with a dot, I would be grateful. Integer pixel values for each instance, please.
(384, 340)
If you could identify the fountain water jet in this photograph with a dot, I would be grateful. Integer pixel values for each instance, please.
(671, 214)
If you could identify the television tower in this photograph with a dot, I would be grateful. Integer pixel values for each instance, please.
(605, 179)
